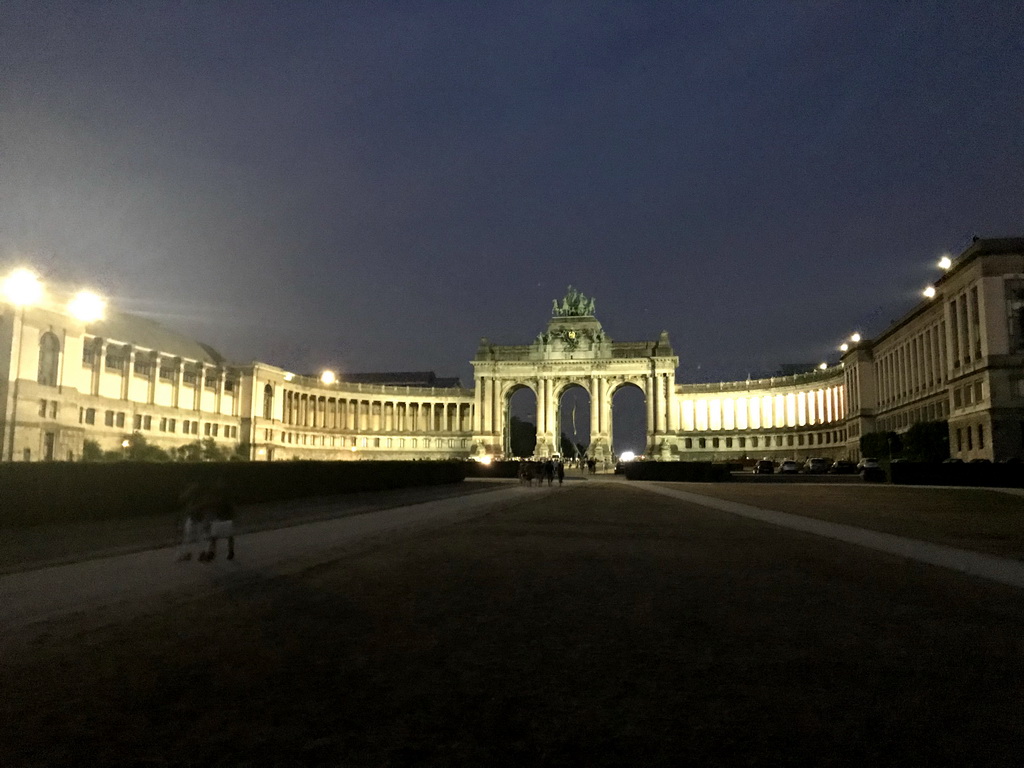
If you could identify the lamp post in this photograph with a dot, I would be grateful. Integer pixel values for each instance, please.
(22, 288)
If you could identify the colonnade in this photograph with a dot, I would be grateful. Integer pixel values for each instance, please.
(362, 414)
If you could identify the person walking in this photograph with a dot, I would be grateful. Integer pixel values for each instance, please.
(221, 513)
(192, 524)
(560, 470)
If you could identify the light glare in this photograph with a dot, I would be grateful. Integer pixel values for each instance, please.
(627, 456)
(844, 347)
(945, 262)
(929, 292)
(87, 307)
(23, 288)
(823, 366)
(855, 338)
(328, 377)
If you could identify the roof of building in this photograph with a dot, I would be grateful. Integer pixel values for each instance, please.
(402, 379)
(148, 334)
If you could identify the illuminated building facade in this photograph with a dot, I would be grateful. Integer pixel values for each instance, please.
(957, 356)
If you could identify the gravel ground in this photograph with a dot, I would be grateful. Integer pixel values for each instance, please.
(602, 625)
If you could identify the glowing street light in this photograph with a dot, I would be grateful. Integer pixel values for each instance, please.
(22, 288)
(328, 377)
(929, 292)
(844, 347)
(945, 262)
(822, 366)
(87, 307)
(855, 338)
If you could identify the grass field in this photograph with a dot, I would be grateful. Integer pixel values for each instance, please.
(595, 626)
(968, 518)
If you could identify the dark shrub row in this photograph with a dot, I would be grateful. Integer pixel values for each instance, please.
(985, 475)
(59, 492)
(678, 471)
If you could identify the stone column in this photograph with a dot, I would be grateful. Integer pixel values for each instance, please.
(649, 395)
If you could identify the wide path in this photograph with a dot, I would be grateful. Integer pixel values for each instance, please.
(35, 596)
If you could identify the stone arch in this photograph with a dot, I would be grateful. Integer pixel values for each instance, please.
(508, 392)
(576, 426)
(629, 413)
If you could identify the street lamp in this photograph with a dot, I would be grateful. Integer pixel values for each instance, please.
(855, 338)
(945, 262)
(929, 292)
(844, 347)
(328, 377)
(23, 289)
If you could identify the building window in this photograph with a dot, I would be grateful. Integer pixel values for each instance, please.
(959, 440)
(981, 436)
(229, 385)
(689, 442)
(195, 427)
(163, 423)
(970, 439)
(215, 429)
(1015, 315)
(108, 419)
(977, 392)
(147, 422)
(702, 442)
(211, 380)
(189, 377)
(115, 359)
(268, 402)
(171, 425)
(42, 409)
(137, 421)
(376, 442)
(49, 355)
(144, 366)
(167, 371)
(90, 415)
(958, 400)
(89, 354)
(206, 428)
(753, 442)
(364, 442)
(53, 409)
(714, 442)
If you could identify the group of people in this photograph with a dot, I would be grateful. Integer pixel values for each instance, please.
(209, 515)
(541, 470)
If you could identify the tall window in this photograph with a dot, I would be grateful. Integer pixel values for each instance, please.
(268, 402)
(49, 356)
(1015, 314)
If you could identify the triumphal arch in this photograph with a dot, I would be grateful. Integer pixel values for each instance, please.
(572, 351)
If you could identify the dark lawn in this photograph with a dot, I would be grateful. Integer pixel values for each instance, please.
(597, 626)
(967, 518)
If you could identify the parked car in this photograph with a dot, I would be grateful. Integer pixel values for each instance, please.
(868, 463)
(816, 466)
(843, 467)
(764, 467)
(789, 467)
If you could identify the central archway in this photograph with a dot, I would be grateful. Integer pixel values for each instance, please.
(574, 408)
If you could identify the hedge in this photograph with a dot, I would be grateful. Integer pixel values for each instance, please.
(503, 469)
(45, 492)
(678, 471)
(983, 475)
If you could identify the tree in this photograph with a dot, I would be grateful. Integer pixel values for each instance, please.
(522, 437)
(139, 449)
(91, 451)
(927, 441)
(881, 445)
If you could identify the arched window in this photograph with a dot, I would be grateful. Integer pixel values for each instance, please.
(268, 402)
(49, 356)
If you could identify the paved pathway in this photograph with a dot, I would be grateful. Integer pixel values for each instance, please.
(1000, 569)
(32, 597)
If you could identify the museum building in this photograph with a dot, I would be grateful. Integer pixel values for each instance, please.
(67, 377)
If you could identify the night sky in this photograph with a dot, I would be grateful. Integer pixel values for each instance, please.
(375, 186)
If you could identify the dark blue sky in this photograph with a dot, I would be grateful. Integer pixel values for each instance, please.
(374, 186)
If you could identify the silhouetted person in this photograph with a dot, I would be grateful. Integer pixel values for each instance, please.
(221, 516)
(560, 469)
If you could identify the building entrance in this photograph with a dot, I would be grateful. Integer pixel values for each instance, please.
(573, 351)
